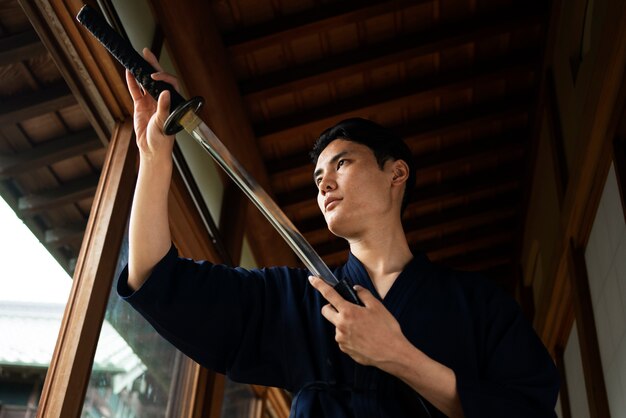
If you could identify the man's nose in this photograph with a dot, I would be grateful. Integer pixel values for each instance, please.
(327, 184)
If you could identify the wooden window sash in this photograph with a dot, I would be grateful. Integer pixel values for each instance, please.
(67, 378)
(587, 334)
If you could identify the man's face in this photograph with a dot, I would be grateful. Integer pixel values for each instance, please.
(353, 191)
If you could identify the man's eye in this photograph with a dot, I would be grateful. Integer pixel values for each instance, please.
(340, 163)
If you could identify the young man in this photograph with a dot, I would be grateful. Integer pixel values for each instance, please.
(427, 342)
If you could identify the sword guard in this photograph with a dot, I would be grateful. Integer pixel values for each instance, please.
(172, 125)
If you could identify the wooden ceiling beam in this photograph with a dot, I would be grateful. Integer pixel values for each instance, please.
(462, 119)
(36, 103)
(317, 119)
(322, 18)
(70, 192)
(507, 146)
(474, 116)
(20, 47)
(395, 50)
(55, 150)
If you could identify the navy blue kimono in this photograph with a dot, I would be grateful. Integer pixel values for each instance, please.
(265, 327)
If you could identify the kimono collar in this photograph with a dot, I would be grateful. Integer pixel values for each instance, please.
(407, 282)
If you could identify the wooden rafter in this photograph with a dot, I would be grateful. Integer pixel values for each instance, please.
(314, 119)
(322, 18)
(457, 121)
(69, 234)
(67, 146)
(70, 192)
(36, 103)
(395, 50)
(19, 47)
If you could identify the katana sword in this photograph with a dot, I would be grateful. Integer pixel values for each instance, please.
(183, 115)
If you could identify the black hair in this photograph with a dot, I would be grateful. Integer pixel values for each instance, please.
(384, 143)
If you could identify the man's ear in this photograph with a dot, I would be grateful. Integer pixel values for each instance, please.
(400, 171)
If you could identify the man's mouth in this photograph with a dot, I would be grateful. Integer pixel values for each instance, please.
(331, 203)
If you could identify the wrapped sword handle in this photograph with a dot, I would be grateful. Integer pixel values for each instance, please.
(124, 52)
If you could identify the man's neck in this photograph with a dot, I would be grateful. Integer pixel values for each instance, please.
(384, 254)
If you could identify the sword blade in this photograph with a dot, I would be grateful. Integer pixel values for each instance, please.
(212, 144)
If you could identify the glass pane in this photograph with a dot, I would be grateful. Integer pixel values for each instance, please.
(240, 401)
(135, 370)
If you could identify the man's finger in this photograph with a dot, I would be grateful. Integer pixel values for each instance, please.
(152, 59)
(328, 292)
(133, 86)
(330, 313)
(163, 108)
(365, 296)
(167, 78)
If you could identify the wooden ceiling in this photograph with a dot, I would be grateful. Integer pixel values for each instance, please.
(50, 156)
(458, 79)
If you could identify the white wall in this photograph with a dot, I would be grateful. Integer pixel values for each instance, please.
(605, 256)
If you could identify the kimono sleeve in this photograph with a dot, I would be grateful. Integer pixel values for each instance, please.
(516, 376)
(230, 320)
